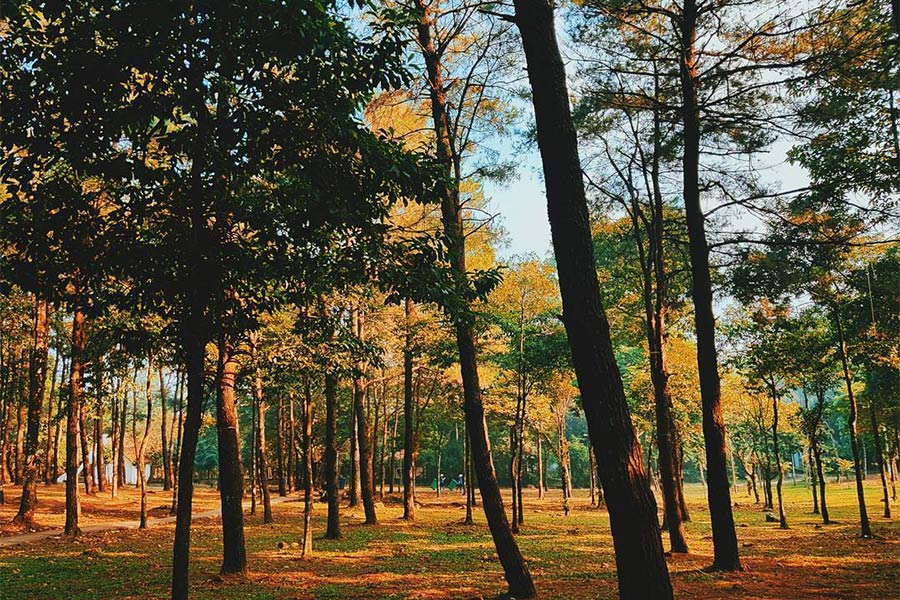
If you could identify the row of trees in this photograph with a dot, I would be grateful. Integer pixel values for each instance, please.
(278, 217)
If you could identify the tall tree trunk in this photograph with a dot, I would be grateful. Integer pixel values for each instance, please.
(87, 469)
(782, 518)
(194, 344)
(564, 464)
(61, 403)
(99, 459)
(540, 466)
(467, 480)
(123, 415)
(879, 456)
(409, 417)
(21, 421)
(514, 566)
(49, 472)
(354, 485)
(383, 445)
(332, 491)
(76, 392)
(817, 453)
(514, 472)
(725, 546)
(865, 527)
(141, 446)
(307, 544)
(176, 454)
(231, 477)
(164, 433)
(813, 480)
(114, 440)
(363, 431)
(261, 445)
(640, 561)
(37, 377)
(279, 448)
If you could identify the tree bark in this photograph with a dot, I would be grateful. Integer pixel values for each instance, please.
(354, 484)
(363, 431)
(515, 568)
(76, 392)
(640, 561)
(231, 478)
(194, 344)
(782, 518)
(141, 446)
(87, 468)
(540, 466)
(279, 448)
(865, 527)
(725, 546)
(879, 456)
(409, 416)
(306, 546)
(37, 377)
(332, 491)
(99, 459)
(263, 467)
(49, 468)
(164, 434)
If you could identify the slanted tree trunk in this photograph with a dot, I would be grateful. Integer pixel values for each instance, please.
(306, 546)
(514, 567)
(865, 527)
(725, 546)
(354, 485)
(231, 478)
(640, 561)
(37, 377)
(332, 491)
(76, 393)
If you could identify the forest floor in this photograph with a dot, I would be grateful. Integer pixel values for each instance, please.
(570, 557)
(97, 510)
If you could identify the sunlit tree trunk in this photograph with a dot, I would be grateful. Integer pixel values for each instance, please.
(725, 546)
(515, 568)
(640, 561)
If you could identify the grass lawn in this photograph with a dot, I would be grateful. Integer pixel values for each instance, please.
(437, 557)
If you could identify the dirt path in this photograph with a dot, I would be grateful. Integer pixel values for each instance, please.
(36, 536)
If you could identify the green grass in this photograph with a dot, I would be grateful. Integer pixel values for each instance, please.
(438, 557)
